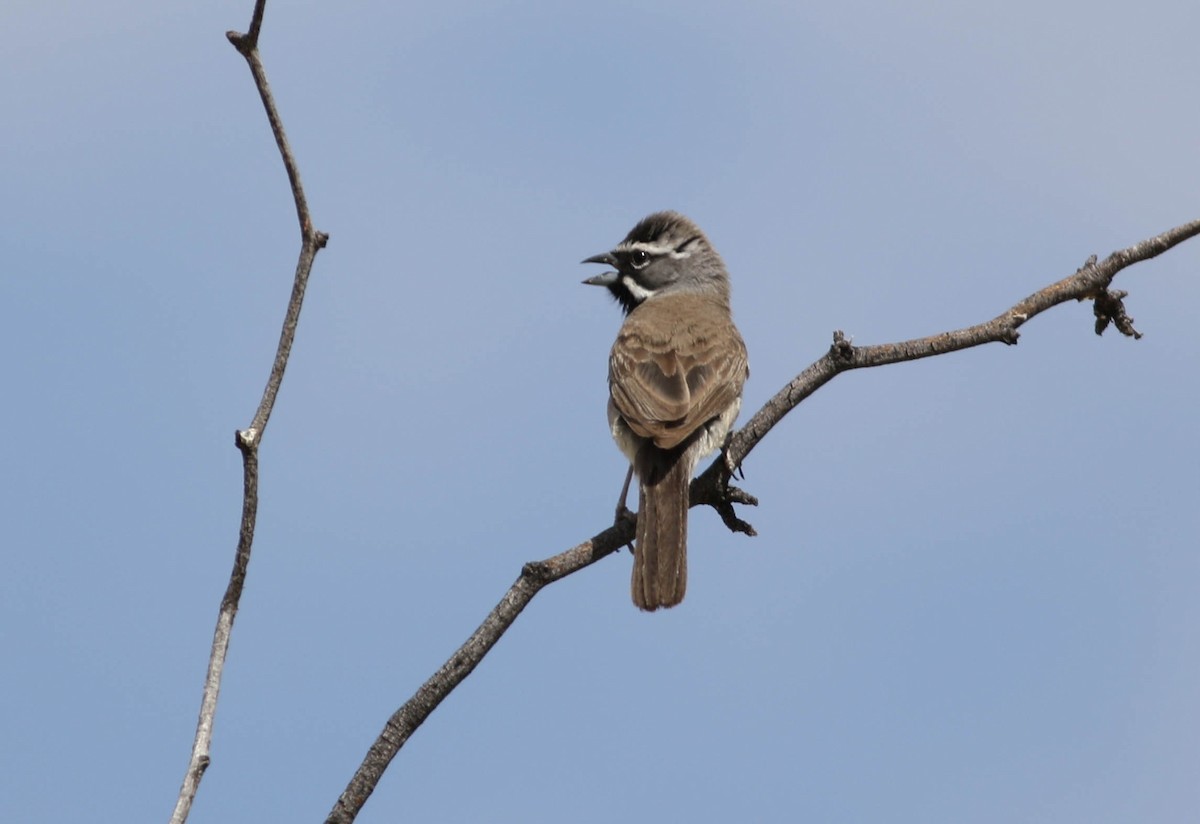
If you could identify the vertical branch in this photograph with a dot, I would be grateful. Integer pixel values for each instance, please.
(248, 439)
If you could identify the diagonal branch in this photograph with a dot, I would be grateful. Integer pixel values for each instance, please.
(1090, 281)
(712, 487)
(248, 439)
(405, 720)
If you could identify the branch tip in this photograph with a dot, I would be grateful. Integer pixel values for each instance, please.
(733, 522)
(1108, 305)
(740, 496)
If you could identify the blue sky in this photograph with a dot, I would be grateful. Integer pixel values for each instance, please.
(973, 594)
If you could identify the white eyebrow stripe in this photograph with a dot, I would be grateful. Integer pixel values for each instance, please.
(636, 289)
(649, 248)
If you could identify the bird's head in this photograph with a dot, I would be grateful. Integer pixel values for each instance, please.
(663, 253)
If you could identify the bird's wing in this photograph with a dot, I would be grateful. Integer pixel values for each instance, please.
(676, 367)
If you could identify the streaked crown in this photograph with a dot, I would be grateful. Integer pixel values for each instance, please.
(665, 252)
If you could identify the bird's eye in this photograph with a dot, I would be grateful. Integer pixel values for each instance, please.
(639, 258)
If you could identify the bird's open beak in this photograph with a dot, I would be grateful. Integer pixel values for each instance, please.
(606, 278)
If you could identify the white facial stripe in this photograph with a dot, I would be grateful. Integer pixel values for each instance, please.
(652, 249)
(662, 249)
(636, 289)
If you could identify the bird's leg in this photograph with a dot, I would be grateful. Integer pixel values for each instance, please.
(622, 510)
(733, 470)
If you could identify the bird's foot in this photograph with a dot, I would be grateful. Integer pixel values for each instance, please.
(627, 519)
(713, 487)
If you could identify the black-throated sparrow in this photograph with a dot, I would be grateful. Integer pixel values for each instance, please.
(675, 379)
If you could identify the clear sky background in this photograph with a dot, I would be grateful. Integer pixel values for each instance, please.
(974, 592)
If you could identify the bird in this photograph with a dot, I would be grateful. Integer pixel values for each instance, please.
(675, 378)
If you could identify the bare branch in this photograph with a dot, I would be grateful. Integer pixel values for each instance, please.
(1090, 281)
(248, 439)
(712, 486)
(405, 720)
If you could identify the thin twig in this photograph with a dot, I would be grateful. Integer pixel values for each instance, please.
(712, 487)
(248, 439)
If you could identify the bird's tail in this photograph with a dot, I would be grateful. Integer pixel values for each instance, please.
(660, 555)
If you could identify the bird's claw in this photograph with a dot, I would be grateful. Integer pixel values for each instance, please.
(625, 515)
